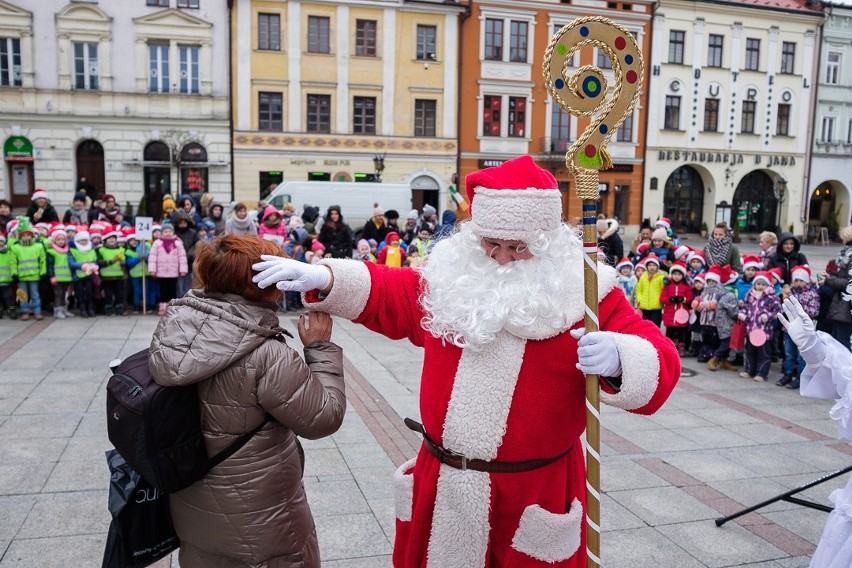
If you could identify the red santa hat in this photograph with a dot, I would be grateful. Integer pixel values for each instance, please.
(3, 237)
(622, 263)
(696, 254)
(681, 252)
(678, 266)
(714, 273)
(392, 236)
(777, 274)
(752, 261)
(71, 228)
(642, 248)
(801, 272)
(12, 226)
(664, 222)
(699, 278)
(96, 229)
(125, 233)
(729, 275)
(156, 227)
(40, 193)
(516, 200)
(110, 231)
(764, 277)
(43, 226)
(82, 235)
(652, 258)
(57, 229)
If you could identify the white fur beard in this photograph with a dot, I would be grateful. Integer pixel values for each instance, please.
(469, 298)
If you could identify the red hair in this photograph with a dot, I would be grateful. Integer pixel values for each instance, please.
(224, 266)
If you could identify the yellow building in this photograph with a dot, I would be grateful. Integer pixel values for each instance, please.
(344, 91)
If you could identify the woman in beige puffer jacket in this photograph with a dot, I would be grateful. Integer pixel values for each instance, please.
(251, 510)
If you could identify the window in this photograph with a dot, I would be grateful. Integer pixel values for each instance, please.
(714, 50)
(752, 60)
(270, 111)
(676, 41)
(188, 3)
(788, 57)
(625, 131)
(86, 66)
(491, 117)
(188, 69)
(832, 68)
(158, 68)
(603, 61)
(160, 3)
(517, 116)
(747, 121)
(424, 117)
(10, 62)
(560, 129)
(365, 38)
(827, 134)
(518, 41)
(269, 32)
(672, 117)
(319, 113)
(318, 34)
(426, 42)
(711, 115)
(364, 115)
(493, 39)
(783, 124)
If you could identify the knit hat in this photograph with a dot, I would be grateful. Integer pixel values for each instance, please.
(71, 228)
(777, 274)
(393, 235)
(682, 252)
(659, 233)
(413, 215)
(678, 266)
(696, 254)
(714, 273)
(377, 210)
(40, 193)
(801, 272)
(363, 243)
(516, 200)
(391, 214)
(125, 232)
(107, 196)
(764, 277)
(622, 263)
(79, 196)
(428, 210)
(664, 222)
(752, 261)
(169, 202)
(156, 227)
(24, 226)
(602, 225)
(43, 226)
(652, 258)
(317, 246)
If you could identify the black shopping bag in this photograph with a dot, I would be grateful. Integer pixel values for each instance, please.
(141, 530)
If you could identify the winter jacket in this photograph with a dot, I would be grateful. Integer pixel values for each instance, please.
(279, 230)
(29, 261)
(8, 268)
(188, 236)
(448, 223)
(628, 284)
(49, 215)
(370, 231)
(675, 295)
(167, 264)
(732, 258)
(808, 296)
(241, 227)
(755, 308)
(76, 216)
(193, 213)
(742, 287)
(611, 244)
(218, 222)
(251, 510)
(648, 291)
(722, 318)
(784, 261)
(338, 241)
(840, 309)
(665, 254)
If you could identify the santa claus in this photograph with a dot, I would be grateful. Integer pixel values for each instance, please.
(498, 308)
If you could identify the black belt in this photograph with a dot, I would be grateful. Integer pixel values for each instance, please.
(460, 461)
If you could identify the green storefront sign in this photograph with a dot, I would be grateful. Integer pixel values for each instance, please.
(18, 148)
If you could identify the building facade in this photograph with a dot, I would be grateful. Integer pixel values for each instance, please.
(827, 203)
(732, 89)
(129, 94)
(506, 110)
(354, 90)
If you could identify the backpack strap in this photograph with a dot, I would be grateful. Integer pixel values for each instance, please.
(235, 447)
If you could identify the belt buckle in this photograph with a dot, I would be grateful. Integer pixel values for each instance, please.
(458, 455)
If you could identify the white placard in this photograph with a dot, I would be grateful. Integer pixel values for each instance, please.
(143, 227)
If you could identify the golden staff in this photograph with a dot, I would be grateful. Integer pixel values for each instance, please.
(583, 94)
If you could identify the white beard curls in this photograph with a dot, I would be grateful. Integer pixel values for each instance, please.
(469, 297)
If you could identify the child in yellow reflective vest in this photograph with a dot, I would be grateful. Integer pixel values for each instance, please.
(58, 270)
(136, 255)
(7, 281)
(83, 260)
(111, 259)
(30, 263)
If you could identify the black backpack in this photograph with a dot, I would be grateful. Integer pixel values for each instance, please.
(157, 430)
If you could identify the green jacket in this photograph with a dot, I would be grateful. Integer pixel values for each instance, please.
(109, 268)
(81, 258)
(57, 265)
(135, 263)
(7, 269)
(30, 261)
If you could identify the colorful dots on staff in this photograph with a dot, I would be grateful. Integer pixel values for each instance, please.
(631, 76)
(559, 83)
(584, 31)
(620, 43)
(628, 59)
(591, 87)
(603, 128)
(590, 157)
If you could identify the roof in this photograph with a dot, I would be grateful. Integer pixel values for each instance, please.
(805, 6)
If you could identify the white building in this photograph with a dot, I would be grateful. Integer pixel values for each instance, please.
(732, 88)
(830, 180)
(131, 94)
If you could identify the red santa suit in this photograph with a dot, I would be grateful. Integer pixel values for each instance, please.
(518, 398)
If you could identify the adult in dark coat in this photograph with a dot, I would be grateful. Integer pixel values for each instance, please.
(336, 235)
(839, 279)
(376, 228)
(609, 240)
(786, 256)
(185, 230)
(40, 209)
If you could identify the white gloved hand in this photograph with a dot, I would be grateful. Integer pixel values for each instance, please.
(597, 353)
(801, 330)
(290, 275)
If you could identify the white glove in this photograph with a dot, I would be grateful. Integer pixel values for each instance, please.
(801, 330)
(290, 275)
(597, 353)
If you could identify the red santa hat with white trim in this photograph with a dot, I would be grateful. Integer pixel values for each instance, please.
(714, 273)
(699, 278)
(652, 258)
(40, 193)
(777, 274)
(55, 231)
(622, 263)
(678, 266)
(801, 272)
(664, 222)
(729, 275)
(696, 254)
(96, 229)
(752, 261)
(516, 200)
(12, 226)
(763, 276)
(681, 252)
(110, 231)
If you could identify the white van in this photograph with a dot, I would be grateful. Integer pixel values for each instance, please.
(355, 199)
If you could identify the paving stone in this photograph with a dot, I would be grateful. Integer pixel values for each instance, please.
(12, 395)
(13, 512)
(643, 548)
(371, 562)
(20, 376)
(627, 474)
(56, 552)
(803, 521)
(750, 492)
(614, 517)
(724, 416)
(78, 475)
(23, 478)
(38, 354)
(91, 448)
(351, 536)
(765, 461)
(375, 483)
(707, 465)
(715, 437)
(66, 514)
(729, 545)
(58, 426)
(336, 498)
(324, 461)
(659, 440)
(677, 419)
(30, 450)
(385, 512)
(663, 505)
(57, 398)
(92, 424)
(768, 434)
(82, 376)
(365, 455)
(794, 562)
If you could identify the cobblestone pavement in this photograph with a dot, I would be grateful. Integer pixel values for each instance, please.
(720, 443)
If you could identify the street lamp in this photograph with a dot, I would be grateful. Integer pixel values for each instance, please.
(779, 188)
(379, 165)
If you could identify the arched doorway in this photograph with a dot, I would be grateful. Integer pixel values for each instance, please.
(193, 169)
(683, 200)
(823, 211)
(424, 190)
(90, 164)
(755, 205)
(158, 172)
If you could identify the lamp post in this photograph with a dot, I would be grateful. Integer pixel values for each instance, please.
(779, 188)
(379, 165)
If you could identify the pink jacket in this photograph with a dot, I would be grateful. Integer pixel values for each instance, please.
(167, 265)
(280, 229)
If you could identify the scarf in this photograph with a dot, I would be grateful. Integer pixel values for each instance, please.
(78, 216)
(63, 250)
(168, 244)
(717, 250)
(241, 224)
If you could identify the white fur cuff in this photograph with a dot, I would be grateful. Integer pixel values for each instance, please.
(349, 292)
(516, 214)
(549, 537)
(403, 490)
(640, 371)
